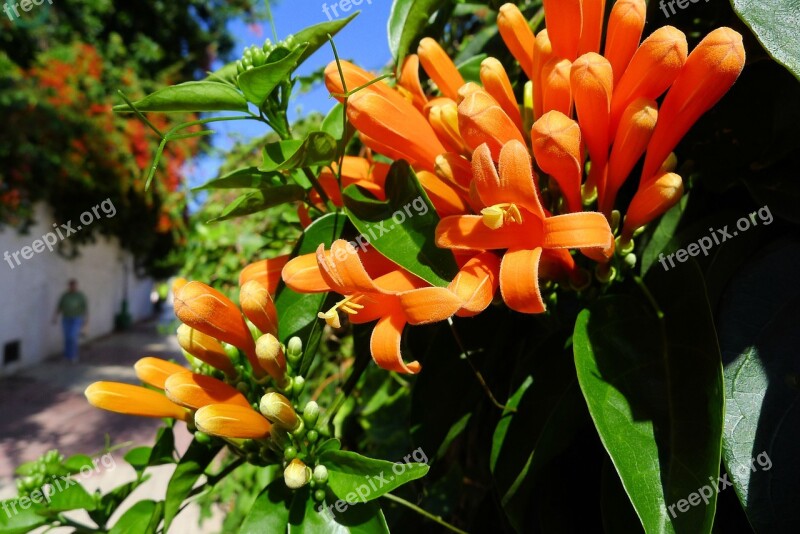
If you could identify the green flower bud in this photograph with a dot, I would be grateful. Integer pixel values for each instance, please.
(319, 495)
(321, 474)
(298, 385)
(259, 57)
(294, 350)
(311, 414)
(312, 436)
(289, 454)
(202, 437)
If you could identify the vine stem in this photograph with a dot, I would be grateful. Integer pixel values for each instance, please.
(475, 370)
(420, 511)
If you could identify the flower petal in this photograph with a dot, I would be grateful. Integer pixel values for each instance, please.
(476, 283)
(409, 80)
(519, 280)
(482, 120)
(302, 274)
(577, 230)
(385, 345)
(556, 143)
(469, 232)
(268, 271)
(429, 304)
(446, 199)
(342, 269)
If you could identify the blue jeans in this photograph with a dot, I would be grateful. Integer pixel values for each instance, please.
(72, 330)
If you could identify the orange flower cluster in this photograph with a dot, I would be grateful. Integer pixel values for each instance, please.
(209, 318)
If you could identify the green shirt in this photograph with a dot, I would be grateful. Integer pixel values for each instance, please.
(72, 304)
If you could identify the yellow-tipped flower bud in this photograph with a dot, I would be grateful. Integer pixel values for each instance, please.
(278, 409)
(205, 348)
(133, 400)
(232, 421)
(258, 306)
(297, 474)
(155, 371)
(271, 358)
(194, 391)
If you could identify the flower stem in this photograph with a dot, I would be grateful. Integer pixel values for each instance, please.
(423, 513)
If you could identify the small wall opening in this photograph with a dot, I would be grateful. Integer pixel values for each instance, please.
(11, 352)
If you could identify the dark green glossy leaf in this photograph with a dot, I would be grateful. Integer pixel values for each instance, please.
(775, 23)
(505, 421)
(191, 96)
(310, 517)
(654, 390)
(318, 148)
(298, 311)
(353, 477)
(190, 467)
(164, 448)
(759, 337)
(257, 83)
(663, 234)
(471, 69)
(270, 511)
(407, 20)
(403, 227)
(317, 35)
(141, 518)
(331, 444)
(261, 200)
(250, 177)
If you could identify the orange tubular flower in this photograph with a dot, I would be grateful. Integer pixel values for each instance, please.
(258, 306)
(409, 81)
(652, 201)
(268, 272)
(542, 54)
(155, 371)
(232, 421)
(496, 83)
(476, 283)
(482, 120)
(440, 67)
(592, 80)
(625, 27)
(516, 221)
(195, 391)
(207, 310)
(394, 299)
(653, 68)
(446, 198)
(443, 117)
(710, 71)
(133, 400)
(178, 283)
(205, 348)
(556, 143)
(564, 20)
(556, 88)
(384, 115)
(633, 135)
(518, 36)
(592, 25)
(454, 169)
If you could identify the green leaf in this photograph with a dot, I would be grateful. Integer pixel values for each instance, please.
(190, 467)
(163, 451)
(318, 148)
(456, 430)
(774, 23)
(111, 500)
(73, 464)
(249, 177)
(501, 430)
(256, 201)
(138, 457)
(353, 477)
(407, 21)
(21, 522)
(663, 234)
(310, 517)
(141, 518)
(191, 96)
(759, 337)
(73, 497)
(298, 311)
(654, 390)
(225, 74)
(317, 35)
(257, 83)
(331, 444)
(270, 511)
(403, 227)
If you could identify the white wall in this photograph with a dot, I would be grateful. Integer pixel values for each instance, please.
(29, 292)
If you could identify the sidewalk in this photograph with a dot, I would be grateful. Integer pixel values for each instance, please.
(43, 407)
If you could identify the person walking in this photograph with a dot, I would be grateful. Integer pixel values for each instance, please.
(74, 311)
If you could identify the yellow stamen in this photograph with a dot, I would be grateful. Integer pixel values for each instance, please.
(496, 216)
(346, 305)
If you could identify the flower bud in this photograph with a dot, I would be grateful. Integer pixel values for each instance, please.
(562, 18)
(482, 120)
(517, 36)
(209, 311)
(496, 82)
(155, 371)
(205, 348)
(297, 474)
(438, 65)
(311, 414)
(298, 385)
(294, 350)
(270, 356)
(258, 306)
(232, 421)
(320, 474)
(289, 454)
(195, 391)
(319, 495)
(556, 141)
(278, 409)
(651, 201)
(133, 400)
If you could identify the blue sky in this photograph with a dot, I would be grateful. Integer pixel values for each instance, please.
(362, 41)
